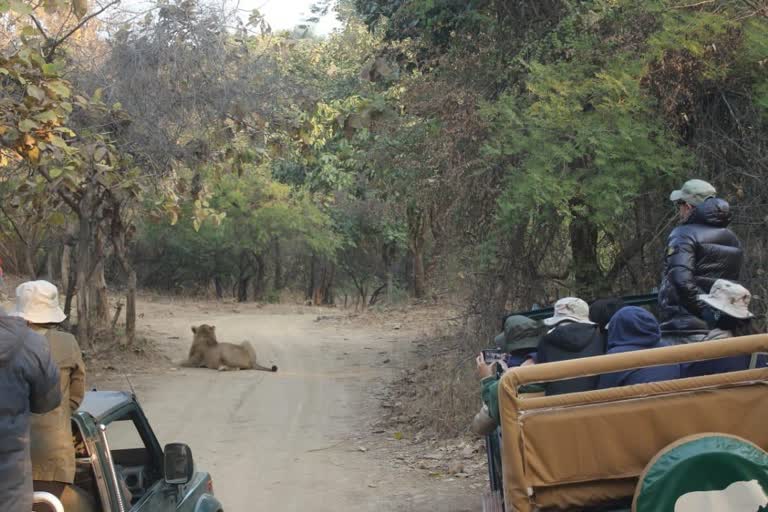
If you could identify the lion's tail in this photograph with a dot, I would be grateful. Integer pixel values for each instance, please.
(252, 354)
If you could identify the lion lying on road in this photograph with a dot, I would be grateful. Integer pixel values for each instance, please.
(207, 352)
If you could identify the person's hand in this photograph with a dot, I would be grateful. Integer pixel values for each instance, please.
(528, 362)
(483, 369)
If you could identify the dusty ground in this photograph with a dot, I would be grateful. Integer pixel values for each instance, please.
(314, 436)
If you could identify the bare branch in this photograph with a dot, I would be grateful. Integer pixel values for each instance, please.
(691, 6)
(15, 227)
(64, 194)
(40, 28)
(52, 47)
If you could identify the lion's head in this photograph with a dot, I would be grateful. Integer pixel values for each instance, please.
(204, 335)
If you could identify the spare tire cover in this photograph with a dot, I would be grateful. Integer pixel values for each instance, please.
(703, 473)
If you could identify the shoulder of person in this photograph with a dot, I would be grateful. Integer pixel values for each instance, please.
(61, 336)
(34, 344)
(574, 327)
(34, 340)
(684, 233)
(65, 339)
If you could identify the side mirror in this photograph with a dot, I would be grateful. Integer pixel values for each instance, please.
(178, 466)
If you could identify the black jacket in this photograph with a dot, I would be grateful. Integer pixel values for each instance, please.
(699, 252)
(571, 341)
(29, 383)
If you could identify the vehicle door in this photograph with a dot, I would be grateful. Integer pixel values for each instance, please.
(137, 460)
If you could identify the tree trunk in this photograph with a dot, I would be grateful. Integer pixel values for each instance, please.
(419, 284)
(83, 268)
(311, 278)
(99, 298)
(259, 285)
(417, 226)
(29, 261)
(329, 276)
(119, 233)
(130, 308)
(65, 267)
(278, 279)
(586, 270)
(49, 265)
(219, 287)
(389, 254)
(244, 279)
(242, 289)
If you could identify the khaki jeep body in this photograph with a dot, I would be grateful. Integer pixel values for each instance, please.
(582, 450)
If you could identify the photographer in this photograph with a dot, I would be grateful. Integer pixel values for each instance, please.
(519, 339)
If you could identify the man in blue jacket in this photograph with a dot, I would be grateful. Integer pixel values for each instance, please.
(29, 383)
(633, 328)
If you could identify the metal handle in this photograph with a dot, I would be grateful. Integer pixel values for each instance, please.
(112, 472)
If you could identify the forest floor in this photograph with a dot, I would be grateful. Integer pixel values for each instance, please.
(323, 433)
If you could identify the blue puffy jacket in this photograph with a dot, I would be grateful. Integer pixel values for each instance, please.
(29, 383)
(633, 328)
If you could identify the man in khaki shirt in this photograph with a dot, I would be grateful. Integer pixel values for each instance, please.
(53, 452)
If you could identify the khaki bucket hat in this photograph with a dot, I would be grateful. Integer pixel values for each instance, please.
(570, 309)
(38, 302)
(730, 298)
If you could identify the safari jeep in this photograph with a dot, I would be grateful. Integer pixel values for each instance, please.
(122, 467)
(688, 445)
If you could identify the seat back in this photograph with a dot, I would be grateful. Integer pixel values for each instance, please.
(587, 449)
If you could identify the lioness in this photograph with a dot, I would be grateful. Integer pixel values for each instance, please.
(207, 352)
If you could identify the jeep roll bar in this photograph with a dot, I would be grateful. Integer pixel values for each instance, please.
(542, 313)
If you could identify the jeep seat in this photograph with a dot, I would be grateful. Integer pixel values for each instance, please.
(588, 449)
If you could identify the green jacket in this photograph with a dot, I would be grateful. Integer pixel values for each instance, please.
(489, 390)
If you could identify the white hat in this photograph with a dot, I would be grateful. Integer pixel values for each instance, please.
(730, 298)
(571, 309)
(38, 302)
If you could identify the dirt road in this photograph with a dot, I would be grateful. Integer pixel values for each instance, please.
(296, 440)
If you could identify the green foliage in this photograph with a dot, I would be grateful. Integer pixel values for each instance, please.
(583, 137)
(34, 106)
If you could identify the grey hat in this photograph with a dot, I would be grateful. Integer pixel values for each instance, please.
(693, 192)
(520, 333)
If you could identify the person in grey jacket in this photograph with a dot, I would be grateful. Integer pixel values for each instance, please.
(29, 383)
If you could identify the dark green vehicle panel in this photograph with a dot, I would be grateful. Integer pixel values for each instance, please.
(141, 469)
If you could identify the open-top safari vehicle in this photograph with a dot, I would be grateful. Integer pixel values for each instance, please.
(692, 444)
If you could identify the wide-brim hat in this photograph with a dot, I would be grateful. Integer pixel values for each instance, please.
(523, 344)
(520, 334)
(571, 309)
(730, 298)
(37, 302)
